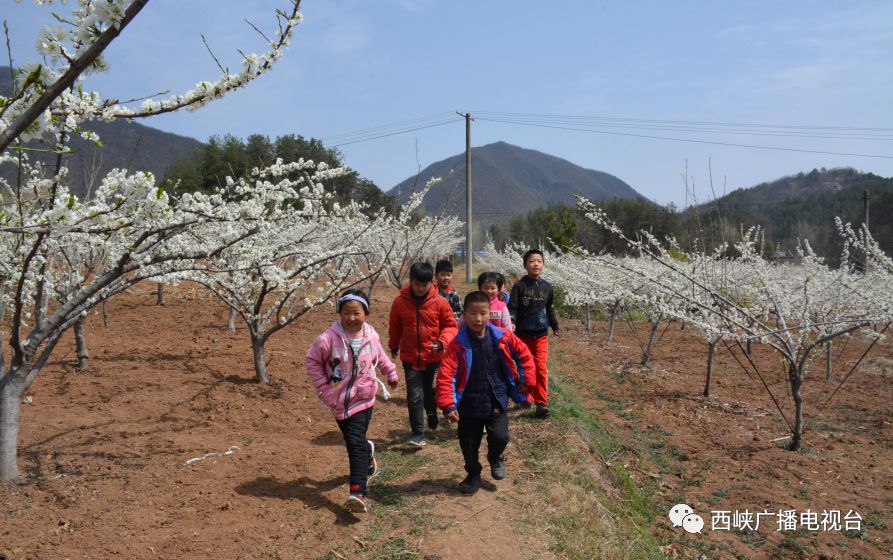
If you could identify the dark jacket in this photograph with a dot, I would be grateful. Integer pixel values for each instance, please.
(452, 296)
(486, 390)
(515, 360)
(532, 308)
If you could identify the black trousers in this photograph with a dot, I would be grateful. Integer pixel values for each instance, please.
(471, 431)
(354, 431)
(420, 395)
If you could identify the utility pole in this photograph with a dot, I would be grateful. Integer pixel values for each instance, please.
(865, 227)
(468, 221)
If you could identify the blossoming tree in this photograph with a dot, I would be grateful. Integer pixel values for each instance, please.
(142, 232)
(794, 310)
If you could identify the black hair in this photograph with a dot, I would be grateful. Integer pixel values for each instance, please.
(421, 271)
(533, 252)
(500, 280)
(353, 292)
(476, 297)
(485, 277)
(443, 266)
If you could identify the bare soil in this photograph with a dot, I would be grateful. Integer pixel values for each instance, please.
(104, 452)
(726, 452)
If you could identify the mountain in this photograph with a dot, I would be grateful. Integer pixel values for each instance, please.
(507, 181)
(802, 206)
(126, 145)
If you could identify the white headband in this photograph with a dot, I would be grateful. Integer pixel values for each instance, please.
(353, 297)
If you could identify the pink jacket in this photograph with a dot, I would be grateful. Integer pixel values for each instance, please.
(499, 314)
(346, 382)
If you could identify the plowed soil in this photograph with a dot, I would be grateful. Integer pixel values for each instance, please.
(166, 448)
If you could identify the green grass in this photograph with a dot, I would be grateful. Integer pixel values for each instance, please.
(583, 519)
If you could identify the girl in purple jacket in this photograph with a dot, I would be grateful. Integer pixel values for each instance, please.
(341, 363)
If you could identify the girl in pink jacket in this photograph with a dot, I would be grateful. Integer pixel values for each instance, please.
(488, 282)
(341, 363)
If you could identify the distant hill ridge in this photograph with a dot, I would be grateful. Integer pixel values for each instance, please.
(803, 206)
(507, 181)
(126, 145)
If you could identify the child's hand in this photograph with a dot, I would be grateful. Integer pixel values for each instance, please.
(555, 333)
(436, 346)
(393, 384)
(452, 417)
(394, 352)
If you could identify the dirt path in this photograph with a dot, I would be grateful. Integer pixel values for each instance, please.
(109, 455)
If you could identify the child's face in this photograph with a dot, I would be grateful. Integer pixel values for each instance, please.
(353, 315)
(477, 315)
(534, 265)
(444, 277)
(419, 288)
(490, 288)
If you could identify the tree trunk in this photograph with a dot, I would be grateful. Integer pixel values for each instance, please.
(372, 280)
(160, 294)
(588, 319)
(10, 414)
(611, 323)
(648, 349)
(260, 365)
(711, 349)
(105, 314)
(231, 322)
(796, 380)
(80, 341)
(828, 362)
(41, 304)
(749, 347)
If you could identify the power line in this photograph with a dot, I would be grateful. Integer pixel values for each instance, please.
(386, 127)
(692, 128)
(403, 131)
(683, 122)
(690, 140)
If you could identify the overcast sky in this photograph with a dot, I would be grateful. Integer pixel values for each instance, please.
(356, 64)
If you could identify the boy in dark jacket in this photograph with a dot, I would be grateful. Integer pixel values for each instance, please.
(482, 369)
(533, 312)
(443, 275)
(421, 326)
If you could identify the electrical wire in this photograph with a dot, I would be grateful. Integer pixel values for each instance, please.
(675, 139)
(684, 122)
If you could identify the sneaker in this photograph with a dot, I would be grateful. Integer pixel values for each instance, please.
(417, 439)
(373, 464)
(433, 421)
(542, 411)
(471, 484)
(356, 503)
(497, 468)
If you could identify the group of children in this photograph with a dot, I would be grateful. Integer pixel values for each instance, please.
(466, 357)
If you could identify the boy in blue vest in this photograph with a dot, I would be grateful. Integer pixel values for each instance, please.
(482, 368)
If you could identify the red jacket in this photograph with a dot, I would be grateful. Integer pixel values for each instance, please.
(413, 328)
(517, 361)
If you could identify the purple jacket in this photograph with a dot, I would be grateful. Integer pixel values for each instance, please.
(346, 382)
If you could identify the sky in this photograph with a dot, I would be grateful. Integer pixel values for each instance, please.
(591, 82)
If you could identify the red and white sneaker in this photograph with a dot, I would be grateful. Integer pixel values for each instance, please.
(356, 503)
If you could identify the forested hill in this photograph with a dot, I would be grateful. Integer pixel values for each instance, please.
(508, 181)
(124, 145)
(801, 206)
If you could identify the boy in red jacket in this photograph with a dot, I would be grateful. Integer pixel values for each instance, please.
(421, 326)
(482, 369)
